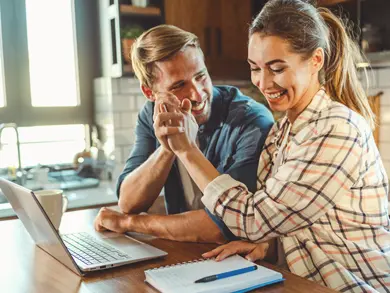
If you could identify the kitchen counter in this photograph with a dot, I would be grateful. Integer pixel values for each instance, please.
(102, 195)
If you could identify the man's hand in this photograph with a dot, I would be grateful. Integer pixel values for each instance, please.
(166, 110)
(111, 220)
(184, 141)
(251, 251)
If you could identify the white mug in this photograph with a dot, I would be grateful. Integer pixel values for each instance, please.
(54, 203)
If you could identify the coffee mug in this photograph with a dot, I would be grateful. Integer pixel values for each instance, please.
(54, 203)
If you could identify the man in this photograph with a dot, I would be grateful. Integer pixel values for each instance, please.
(232, 129)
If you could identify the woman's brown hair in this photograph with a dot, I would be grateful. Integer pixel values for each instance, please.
(307, 28)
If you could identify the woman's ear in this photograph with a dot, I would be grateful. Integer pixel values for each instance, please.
(148, 93)
(318, 59)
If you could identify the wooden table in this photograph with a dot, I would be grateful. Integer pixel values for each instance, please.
(26, 268)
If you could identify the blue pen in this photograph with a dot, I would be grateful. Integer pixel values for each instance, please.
(226, 274)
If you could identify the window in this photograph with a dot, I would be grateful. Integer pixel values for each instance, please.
(2, 94)
(48, 60)
(45, 145)
(51, 51)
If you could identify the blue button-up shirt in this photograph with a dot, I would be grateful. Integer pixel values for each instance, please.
(231, 140)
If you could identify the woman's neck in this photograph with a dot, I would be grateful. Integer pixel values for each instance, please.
(304, 101)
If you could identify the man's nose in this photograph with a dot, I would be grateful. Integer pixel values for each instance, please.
(196, 93)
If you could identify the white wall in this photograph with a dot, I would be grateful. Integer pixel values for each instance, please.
(117, 103)
(380, 81)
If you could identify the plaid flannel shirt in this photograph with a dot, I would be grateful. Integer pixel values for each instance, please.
(328, 200)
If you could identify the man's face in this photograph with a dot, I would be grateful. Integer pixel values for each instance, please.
(185, 75)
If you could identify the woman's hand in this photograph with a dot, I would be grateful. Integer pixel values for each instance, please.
(166, 109)
(184, 141)
(174, 125)
(251, 251)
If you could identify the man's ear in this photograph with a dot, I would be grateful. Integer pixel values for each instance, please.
(148, 93)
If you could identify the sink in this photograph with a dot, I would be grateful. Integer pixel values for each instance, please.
(65, 180)
(2, 198)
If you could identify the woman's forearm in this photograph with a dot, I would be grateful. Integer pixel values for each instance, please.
(199, 168)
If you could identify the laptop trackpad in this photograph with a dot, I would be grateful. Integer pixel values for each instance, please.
(132, 247)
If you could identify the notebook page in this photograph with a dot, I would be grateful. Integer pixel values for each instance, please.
(181, 277)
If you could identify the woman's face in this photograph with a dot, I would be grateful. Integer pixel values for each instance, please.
(287, 81)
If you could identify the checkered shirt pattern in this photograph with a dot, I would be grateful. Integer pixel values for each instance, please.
(327, 201)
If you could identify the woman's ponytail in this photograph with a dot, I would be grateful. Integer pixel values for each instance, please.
(340, 75)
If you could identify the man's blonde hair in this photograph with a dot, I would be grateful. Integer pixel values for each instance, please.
(158, 44)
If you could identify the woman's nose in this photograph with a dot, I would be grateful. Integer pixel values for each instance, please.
(265, 81)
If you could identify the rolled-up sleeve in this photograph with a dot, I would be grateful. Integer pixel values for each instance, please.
(144, 146)
(317, 171)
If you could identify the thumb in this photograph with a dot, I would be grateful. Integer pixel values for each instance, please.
(186, 105)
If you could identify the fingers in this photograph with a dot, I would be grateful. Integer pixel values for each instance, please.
(169, 119)
(167, 98)
(98, 223)
(169, 130)
(166, 102)
(234, 247)
(258, 253)
(186, 105)
(214, 252)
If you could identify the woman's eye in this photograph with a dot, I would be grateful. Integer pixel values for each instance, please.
(277, 70)
(255, 69)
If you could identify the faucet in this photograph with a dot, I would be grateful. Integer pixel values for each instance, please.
(20, 179)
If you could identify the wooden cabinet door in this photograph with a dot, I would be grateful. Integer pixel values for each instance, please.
(235, 19)
(230, 39)
(222, 29)
(191, 16)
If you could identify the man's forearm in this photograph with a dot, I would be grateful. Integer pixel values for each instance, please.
(193, 226)
(142, 186)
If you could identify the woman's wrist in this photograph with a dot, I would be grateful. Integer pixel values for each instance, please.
(185, 151)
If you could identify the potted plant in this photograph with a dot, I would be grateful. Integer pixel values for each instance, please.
(128, 36)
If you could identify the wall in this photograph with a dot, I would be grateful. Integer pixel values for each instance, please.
(380, 81)
(117, 103)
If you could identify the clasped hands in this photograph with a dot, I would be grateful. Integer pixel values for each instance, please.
(174, 125)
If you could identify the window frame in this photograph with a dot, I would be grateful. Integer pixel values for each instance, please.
(18, 108)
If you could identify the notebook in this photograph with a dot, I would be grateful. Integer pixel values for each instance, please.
(181, 277)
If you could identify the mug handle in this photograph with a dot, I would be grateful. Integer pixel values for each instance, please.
(64, 203)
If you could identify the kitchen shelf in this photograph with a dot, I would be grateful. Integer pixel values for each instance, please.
(136, 10)
(331, 2)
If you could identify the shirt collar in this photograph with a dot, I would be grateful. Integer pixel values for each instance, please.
(320, 101)
(216, 118)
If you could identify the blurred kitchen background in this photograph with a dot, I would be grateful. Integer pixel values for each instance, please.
(69, 99)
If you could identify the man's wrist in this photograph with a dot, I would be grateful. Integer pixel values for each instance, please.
(127, 223)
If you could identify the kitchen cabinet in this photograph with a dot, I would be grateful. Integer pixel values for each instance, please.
(222, 29)
(115, 15)
(331, 2)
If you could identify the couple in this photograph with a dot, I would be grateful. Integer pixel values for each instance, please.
(321, 190)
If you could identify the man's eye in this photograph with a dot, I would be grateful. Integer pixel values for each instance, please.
(255, 69)
(176, 87)
(200, 76)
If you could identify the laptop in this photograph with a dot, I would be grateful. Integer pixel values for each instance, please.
(81, 252)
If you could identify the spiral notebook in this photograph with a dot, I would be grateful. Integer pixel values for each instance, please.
(181, 277)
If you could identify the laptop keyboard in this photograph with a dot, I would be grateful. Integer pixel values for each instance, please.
(90, 251)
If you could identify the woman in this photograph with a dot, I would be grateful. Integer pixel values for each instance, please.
(322, 187)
